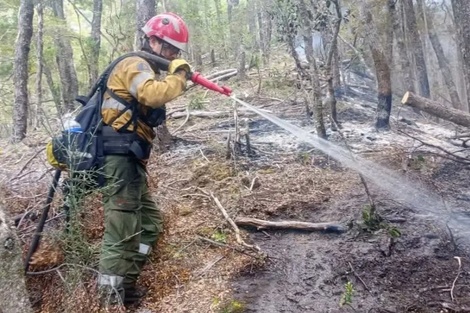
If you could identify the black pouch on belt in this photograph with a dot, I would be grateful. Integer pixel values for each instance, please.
(124, 143)
(141, 149)
(154, 117)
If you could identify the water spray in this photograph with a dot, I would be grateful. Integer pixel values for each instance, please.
(404, 191)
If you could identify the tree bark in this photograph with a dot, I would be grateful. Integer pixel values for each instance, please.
(14, 296)
(307, 31)
(36, 115)
(251, 18)
(330, 94)
(382, 69)
(95, 38)
(436, 109)
(443, 62)
(417, 49)
(52, 87)
(461, 9)
(20, 68)
(64, 59)
(404, 60)
(390, 7)
(144, 10)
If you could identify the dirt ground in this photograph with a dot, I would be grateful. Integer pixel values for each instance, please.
(409, 262)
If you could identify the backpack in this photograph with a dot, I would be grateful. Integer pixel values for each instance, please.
(85, 150)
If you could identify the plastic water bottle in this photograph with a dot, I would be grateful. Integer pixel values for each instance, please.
(72, 126)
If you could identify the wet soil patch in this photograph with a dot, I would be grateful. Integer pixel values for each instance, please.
(308, 271)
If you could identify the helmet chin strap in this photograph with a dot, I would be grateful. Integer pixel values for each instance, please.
(145, 46)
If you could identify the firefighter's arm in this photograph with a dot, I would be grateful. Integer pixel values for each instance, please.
(151, 92)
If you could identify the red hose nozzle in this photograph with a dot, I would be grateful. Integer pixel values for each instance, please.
(197, 78)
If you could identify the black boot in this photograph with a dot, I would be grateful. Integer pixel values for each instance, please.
(134, 294)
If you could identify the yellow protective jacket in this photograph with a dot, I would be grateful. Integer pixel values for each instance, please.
(134, 78)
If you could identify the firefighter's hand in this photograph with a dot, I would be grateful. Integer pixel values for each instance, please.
(178, 65)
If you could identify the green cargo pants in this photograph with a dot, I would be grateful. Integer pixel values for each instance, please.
(132, 221)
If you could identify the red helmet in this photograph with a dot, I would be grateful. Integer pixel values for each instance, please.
(170, 28)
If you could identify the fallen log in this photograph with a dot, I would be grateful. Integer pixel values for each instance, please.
(262, 224)
(434, 108)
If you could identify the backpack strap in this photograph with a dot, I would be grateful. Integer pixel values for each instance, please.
(127, 105)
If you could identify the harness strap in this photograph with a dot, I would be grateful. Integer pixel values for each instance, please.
(127, 106)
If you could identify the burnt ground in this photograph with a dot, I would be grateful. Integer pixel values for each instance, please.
(198, 266)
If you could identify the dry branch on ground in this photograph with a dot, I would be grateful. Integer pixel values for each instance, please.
(262, 224)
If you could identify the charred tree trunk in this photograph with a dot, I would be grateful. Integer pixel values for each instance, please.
(95, 37)
(20, 68)
(12, 285)
(443, 63)
(382, 69)
(144, 10)
(417, 48)
(461, 9)
(436, 109)
(64, 58)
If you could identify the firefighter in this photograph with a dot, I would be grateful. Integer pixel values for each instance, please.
(135, 103)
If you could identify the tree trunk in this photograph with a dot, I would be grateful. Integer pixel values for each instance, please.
(443, 62)
(461, 9)
(313, 72)
(64, 58)
(236, 26)
(317, 96)
(14, 297)
(229, 10)
(264, 31)
(218, 11)
(390, 7)
(144, 10)
(20, 66)
(242, 65)
(436, 109)
(330, 96)
(36, 110)
(417, 48)
(405, 63)
(95, 38)
(251, 17)
(382, 69)
(52, 87)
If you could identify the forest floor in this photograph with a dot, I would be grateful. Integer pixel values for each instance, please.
(411, 261)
